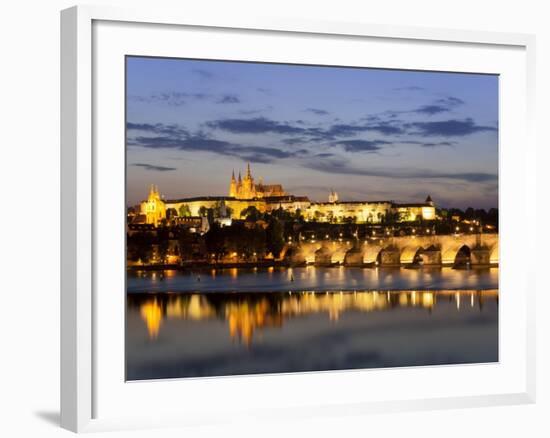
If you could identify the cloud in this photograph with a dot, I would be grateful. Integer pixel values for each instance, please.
(449, 128)
(431, 144)
(263, 125)
(317, 112)
(362, 145)
(342, 167)
(386, 128)
(440, 143)
(229, 98)
(171, 98)
(349, 130)
(158, 128)
(294, 140)
(154, 167)
(450, 101)
(258, 125)
(170, 137)
(431, 109)
(203, 74)
(441, 105)
(253, 111)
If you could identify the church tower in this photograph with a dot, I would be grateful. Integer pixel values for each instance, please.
(154, 208)
(233, 186)
(248, 190)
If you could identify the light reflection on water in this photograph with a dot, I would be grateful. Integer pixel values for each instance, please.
(245, 313)
(208, 334)
(310, 278)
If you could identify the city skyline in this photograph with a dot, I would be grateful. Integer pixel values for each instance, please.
(368, 134)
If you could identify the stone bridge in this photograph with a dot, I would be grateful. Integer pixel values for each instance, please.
(448, 250)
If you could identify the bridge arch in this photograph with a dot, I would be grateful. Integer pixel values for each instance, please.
(449, 252)
(463, 256)
(409, 254)
(371, 253)
(339, 251)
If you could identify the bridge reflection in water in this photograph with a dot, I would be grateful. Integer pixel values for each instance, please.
(247, 313)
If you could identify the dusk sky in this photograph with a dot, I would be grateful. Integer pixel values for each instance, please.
(368, 134)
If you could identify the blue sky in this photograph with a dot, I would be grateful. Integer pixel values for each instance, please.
(369, 134)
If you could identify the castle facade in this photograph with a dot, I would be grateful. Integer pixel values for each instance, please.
(245, 193)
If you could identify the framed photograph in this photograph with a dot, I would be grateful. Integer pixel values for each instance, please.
(265, 218)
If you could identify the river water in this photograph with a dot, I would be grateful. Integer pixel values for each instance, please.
(272, 320)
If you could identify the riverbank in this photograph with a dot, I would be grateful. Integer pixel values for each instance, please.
(206, 265)
(284, 264)
(310, 278)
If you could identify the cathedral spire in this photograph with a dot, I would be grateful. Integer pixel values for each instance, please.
(248, 174)
(233, 176)
(240, 176)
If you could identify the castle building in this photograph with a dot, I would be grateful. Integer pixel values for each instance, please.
(245, 193)
(246, 188)
(333, 196)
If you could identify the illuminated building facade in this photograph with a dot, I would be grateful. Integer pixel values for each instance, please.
(245, 193)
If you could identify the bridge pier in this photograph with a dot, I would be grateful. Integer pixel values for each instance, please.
(390, 257)
(431, 257)
(323, 257)
(354, 257)
(480, 257)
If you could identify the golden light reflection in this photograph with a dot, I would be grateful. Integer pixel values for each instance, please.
(152, 315)
(245, 314)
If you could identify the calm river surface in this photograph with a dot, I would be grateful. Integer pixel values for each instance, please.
(246, 321)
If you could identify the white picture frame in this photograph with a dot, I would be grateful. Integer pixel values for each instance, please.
(83, 370)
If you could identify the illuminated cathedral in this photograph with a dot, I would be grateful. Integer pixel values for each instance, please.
(246, 188)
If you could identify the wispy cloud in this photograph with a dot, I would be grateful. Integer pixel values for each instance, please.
(442, 105)
(203, 74)
(343, 167)
(449, 128)
(229, 98)
(158, 128)
(154, 167)
(171, 98)
(362, 145)
(258, 125)
(429, 144)
(181, 139)
(317, 111)
(431, 109)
